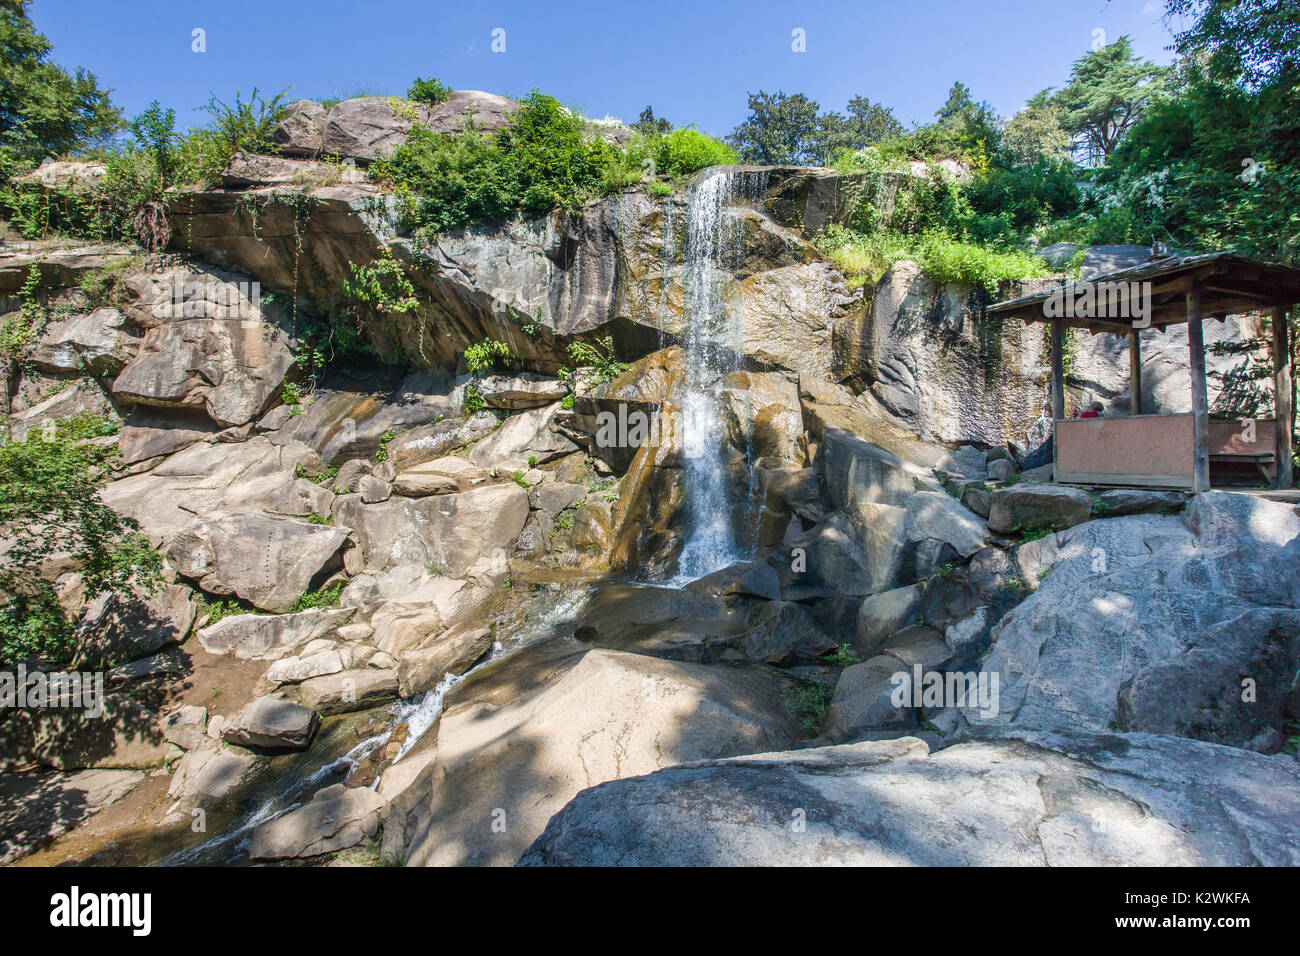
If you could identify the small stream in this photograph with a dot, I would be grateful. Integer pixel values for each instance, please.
(292, 780)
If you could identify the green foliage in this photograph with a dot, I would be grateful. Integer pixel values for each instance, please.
(1038, 528)
(810, 703)
(481, 356)
(780, 128)
(382, 286)
(432, 91)
(542, 160)
(842, 656)
(216, 610)
(473, 399)
(599, 356)
(864, 258)
(970, 265)
(45, 110)
(650, 125)
(1108, 92)
(567, 402)
(326, 597)
(50, 508)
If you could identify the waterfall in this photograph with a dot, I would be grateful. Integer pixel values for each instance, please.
(712, 342)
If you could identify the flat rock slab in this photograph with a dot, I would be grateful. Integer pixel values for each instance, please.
(37, 808)
(611, 715)
(1017, 799)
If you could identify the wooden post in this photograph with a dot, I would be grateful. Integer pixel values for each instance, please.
(1200, 397)
(1058, 384)
(1135, 370)
(1058, 369)
(1282, 398)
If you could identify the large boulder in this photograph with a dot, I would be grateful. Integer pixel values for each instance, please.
(514, 392)
(204, 478)
(95, 342)
(273, 724)
(368, 127)
(1206, 598)
(120, 627)
(452, 652)
(211, 776)
(448, 532)
(347, 691)
(947, 370)
(265, 560)
(1033, 507)
(525, 435)
(506, 763)
(269, 637)
(1016, 799)
(231, 367)
(299, 132)
(336, 818)
(485, 111)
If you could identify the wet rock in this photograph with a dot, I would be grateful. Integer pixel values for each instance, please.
(336, 818)
(452, 652)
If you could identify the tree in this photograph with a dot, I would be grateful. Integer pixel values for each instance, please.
(50, 510)
(44, 110)
(1035, 134)
(1108, 92)
(972, 124)
(779, 129)
(1254, 40)
(871, 123)
(651, 125)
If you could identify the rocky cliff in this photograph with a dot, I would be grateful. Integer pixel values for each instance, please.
(451, 580)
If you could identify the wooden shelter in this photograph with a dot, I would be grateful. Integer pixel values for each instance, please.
(1167, 450)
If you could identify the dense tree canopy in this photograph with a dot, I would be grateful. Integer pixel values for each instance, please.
(44, 109)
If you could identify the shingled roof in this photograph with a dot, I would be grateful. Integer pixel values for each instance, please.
(1228, 284)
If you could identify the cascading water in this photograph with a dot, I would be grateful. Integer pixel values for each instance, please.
(711, 340)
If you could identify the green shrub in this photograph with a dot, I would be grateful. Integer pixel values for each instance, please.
(326, 597)
(432, 91)
(598, 356)
(481, 356)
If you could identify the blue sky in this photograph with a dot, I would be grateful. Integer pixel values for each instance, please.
(694, 61)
